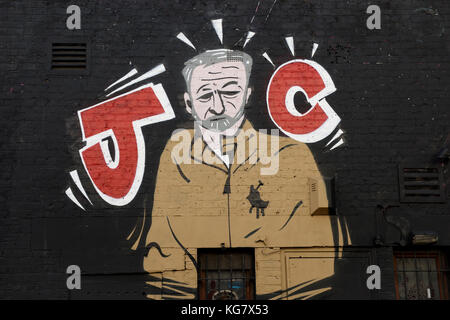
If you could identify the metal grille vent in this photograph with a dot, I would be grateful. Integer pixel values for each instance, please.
(313, 187)
(418, 184)
(69, 56)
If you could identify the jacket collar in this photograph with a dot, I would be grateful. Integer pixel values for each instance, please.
(238, 148)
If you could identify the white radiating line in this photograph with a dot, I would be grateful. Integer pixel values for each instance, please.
(183, 38)
(337, 135)
(69, 193)
(153, 72)
(315, 46)
(265, 55)
(129, 74)
(76, 179)
(256, 10)
(270, 11)
(217, 24)
(290, 43)
(250, 35)
(337, 144)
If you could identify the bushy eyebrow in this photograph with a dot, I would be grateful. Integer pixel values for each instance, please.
(230, 83)
(225, 85)
(202, 87)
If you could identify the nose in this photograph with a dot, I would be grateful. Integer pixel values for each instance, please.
(218, 107)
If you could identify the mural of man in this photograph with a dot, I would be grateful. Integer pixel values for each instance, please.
(224, 184)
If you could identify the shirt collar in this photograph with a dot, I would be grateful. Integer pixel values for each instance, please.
(208, 151)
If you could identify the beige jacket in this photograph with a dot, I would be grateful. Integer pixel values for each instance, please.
(205, 204)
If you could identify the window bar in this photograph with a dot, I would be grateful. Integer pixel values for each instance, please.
(445, 274)
(440, 275)
(205, 281)
(405, 296)
(416, 273)
(218, 272)
(442, 270)
(231, 271)
(244, 276)
(429, 280)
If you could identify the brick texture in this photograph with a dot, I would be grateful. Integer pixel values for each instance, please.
(392, 96)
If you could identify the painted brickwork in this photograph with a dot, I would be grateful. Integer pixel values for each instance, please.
(136, 223)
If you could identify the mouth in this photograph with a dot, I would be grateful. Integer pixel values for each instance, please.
(216, 119)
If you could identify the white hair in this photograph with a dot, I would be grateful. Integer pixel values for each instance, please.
(210, 57)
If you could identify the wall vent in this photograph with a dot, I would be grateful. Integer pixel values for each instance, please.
(322, 196)
(421, 184)
(69, 56)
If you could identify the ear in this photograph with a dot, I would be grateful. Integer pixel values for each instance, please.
(187, 102)
(249, 92)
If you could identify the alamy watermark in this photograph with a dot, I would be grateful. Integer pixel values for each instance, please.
(73, 22)
(374, 20)
(248, 146)
(74, 280)
(374, 280)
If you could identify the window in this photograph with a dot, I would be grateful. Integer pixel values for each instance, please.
(226, 274)
(421, 275)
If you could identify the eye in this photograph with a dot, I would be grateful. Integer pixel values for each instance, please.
(206, 97)
(230, 94)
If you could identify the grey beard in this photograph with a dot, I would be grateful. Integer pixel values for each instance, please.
(219, 123)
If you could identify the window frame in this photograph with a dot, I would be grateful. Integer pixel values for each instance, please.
(441, 262)
(250, 279)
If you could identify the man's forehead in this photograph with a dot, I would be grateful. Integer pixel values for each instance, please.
(219, 70)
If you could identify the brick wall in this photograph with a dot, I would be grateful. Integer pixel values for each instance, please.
(392, 96)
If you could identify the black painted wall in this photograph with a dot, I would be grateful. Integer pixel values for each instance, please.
(392, 95)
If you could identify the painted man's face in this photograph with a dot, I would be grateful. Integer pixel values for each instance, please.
(218, 94)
